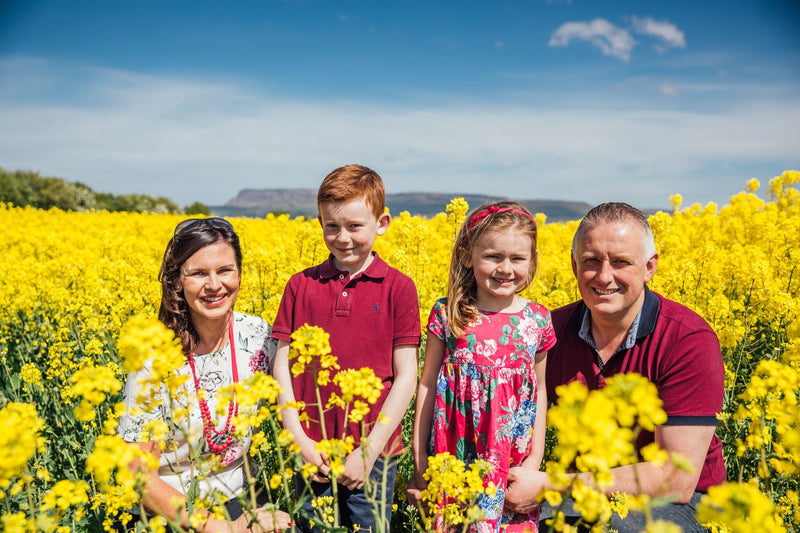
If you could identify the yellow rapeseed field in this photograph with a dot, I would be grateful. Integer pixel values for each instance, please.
(73, 280)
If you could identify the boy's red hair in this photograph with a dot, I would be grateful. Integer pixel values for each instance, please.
(352, 182)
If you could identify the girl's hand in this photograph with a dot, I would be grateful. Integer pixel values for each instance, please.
(414, 491)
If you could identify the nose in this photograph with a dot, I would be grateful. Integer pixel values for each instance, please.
(605, 272)
(504, 266)
(343, 236)
(213, 282)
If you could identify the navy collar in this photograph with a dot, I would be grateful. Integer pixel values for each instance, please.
(645, 321)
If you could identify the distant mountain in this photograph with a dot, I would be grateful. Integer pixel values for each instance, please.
(296, 202)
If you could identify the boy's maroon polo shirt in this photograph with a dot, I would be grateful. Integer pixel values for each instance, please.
(367, 317)
(675, 349)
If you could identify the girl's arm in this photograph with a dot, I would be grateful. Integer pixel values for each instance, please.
(426, 398)
(534, 460)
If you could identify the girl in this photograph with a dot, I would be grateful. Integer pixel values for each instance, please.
(482, 391)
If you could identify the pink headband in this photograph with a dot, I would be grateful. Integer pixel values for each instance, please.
(494, 210)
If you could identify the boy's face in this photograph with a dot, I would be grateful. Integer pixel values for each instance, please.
(349, 229)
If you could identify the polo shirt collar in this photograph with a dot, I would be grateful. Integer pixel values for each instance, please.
(376, 270)
(643, 325)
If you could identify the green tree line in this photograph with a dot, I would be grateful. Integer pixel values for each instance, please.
(27, 188)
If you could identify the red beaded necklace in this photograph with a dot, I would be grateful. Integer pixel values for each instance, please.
(209, 430)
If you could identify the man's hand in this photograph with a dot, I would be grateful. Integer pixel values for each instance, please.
(524, 485)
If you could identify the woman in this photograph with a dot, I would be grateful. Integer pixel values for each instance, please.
(200, 276)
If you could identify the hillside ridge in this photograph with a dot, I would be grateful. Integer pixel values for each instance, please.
(303, 202)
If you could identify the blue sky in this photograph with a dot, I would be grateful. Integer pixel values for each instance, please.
(582, 100)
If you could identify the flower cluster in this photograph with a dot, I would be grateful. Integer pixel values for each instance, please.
(452, 491)
(20, 439)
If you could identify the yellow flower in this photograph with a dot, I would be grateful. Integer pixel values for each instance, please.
(66, 494)
(741, 508)
(20, 439)
(30, 374)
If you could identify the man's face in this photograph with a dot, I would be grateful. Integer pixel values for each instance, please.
(611, 270)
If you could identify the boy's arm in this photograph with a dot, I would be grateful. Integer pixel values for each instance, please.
(290, 417)
(423, 413)
(357, 467)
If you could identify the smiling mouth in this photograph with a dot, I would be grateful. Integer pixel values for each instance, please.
(605, 292)
(213, 299)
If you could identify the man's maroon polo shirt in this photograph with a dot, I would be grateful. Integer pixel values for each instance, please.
(675, 349)
(366, 316)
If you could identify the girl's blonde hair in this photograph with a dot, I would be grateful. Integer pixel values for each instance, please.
(462, 291)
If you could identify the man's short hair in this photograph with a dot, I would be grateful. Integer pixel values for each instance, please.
(616, 212)
(352, 182)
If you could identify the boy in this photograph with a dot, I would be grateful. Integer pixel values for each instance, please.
(371, 312)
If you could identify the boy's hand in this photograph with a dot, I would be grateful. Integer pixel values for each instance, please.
(524, 485)
(356, 469)
(309, 454)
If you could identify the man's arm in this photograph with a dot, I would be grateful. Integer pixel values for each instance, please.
(691, 442)
(359, 462)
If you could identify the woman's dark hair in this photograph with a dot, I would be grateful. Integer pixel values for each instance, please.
(190, 236)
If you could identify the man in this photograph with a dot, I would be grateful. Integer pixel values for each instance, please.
(620, 326)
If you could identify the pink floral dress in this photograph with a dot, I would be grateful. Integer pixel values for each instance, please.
(486, 398)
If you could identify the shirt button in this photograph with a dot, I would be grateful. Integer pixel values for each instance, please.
(344, 293)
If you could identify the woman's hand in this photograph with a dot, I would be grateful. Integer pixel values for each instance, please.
(265, 520)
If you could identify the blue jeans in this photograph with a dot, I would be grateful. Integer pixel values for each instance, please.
(355, 508)
(682, 514)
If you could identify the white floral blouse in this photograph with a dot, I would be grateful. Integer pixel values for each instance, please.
(186, 452)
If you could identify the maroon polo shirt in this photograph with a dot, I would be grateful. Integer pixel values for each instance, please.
(674, 348)
(367, 316)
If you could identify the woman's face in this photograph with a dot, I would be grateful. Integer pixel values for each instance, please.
(210, 282)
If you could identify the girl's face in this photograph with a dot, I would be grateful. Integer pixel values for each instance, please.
(210, 282)
(501, 261)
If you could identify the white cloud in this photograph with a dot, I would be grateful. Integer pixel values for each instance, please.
(612, 40)
(193, 140)
(669, 89)
(666, 32)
